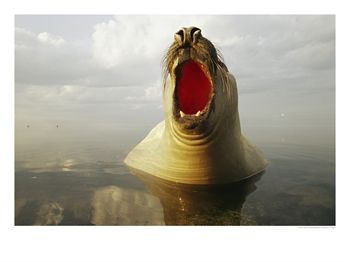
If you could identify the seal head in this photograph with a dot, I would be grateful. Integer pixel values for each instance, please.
(192, 62)
(200, 140)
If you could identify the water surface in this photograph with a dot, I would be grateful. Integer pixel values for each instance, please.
(75, 176)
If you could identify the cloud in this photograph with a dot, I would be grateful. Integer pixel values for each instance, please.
(47, 38)
(151, 93)
(128, 50)
(47, 59)
(118, 66)
(24, 39)
(137, 39)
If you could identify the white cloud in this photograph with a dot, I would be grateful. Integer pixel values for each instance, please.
(128, 50)
(153, 92)
(26, 39)
(133, 39)
(119, 65)
(47, 38)
(228, 41)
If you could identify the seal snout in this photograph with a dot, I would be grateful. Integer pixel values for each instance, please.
(187, 36)
(191, 62)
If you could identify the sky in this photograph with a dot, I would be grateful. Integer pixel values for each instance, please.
(106, 70)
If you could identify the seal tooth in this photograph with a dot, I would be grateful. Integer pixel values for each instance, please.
(198, 113)
(182, 114)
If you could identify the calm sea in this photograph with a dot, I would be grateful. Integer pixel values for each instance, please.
(68, 175)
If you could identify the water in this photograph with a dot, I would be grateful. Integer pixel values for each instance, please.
(69, 175)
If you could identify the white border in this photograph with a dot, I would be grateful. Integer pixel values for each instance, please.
(173, 243)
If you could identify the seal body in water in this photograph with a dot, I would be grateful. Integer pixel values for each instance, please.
(200, 140)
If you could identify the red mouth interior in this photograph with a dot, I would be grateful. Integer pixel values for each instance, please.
(193, 88)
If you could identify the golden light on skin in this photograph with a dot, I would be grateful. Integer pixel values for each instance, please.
(205, 148)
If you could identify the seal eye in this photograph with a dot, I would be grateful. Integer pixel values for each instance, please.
(193, 88)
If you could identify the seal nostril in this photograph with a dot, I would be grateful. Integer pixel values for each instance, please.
(180, 36)
(193, 30)
(195, 33)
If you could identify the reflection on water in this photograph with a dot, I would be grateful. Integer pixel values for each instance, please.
(200, 205)
(113, 205)
(50, 214)
(64, 179)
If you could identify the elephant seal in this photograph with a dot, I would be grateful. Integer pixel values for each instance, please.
(200, 140)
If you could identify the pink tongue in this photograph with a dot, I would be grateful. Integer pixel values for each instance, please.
(193, 88)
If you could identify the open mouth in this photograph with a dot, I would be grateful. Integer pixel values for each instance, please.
(193, 91)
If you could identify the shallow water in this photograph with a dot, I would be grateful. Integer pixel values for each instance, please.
(76, 176)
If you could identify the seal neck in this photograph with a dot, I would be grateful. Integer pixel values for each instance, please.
(218, 132)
